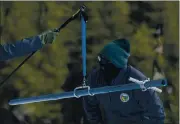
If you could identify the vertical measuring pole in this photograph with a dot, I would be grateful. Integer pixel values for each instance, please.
(83, 38)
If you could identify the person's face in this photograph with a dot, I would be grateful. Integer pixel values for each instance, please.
(109, 70)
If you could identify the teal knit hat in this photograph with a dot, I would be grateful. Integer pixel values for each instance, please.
(117, 52)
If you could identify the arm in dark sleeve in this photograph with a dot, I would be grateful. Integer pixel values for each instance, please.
(20, 48)
(91, 108)
(153, 111)
(149, 102)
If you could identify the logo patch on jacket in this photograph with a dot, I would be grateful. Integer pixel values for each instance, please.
(124, 97)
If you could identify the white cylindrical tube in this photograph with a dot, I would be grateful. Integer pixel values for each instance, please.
(156, 89)
(136, 81)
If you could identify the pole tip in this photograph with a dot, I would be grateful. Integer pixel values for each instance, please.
(164, 82)
(82, 8)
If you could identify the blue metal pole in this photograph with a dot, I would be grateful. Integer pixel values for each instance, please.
(83, 33)
(85, 92)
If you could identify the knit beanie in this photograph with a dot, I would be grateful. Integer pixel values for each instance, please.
(117, 52)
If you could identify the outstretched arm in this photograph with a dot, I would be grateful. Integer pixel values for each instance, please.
(20, 48)
(26, 45)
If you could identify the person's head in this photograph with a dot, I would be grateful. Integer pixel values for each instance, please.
(113, 57)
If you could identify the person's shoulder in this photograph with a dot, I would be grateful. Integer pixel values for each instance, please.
(136, 73)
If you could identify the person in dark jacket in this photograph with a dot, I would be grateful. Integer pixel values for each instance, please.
(26, 45)
(127, 107)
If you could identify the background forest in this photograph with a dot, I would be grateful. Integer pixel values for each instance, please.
(57, 67)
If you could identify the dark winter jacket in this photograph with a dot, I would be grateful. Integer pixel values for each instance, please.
(139, 108)
(20, 48)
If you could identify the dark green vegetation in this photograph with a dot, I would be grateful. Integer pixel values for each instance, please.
(57, 67)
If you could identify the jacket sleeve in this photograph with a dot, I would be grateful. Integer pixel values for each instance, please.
(150, 103)
(153, 111)
(20, 48)
(91, 107)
